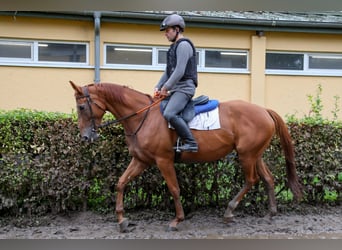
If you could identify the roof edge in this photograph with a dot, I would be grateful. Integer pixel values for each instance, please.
(192, 21)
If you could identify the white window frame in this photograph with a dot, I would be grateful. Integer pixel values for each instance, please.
(156, 55)
(306, 70)
(158, 66)
(17, 59)
(322, 71)
(34, 61)
(153, 66)
(202, 67)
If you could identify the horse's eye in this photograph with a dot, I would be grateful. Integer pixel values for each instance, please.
(81, 107)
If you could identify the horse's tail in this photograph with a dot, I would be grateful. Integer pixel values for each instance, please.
(286, 143)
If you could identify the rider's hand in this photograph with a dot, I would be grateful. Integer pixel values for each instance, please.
(156, 93)
(164, 92)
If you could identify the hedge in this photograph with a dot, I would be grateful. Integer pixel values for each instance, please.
(44, 168)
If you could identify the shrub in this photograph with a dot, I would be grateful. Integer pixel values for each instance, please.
(44, 167)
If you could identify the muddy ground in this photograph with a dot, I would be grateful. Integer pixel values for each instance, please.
(306, 223)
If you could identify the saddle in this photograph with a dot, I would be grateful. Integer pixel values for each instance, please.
(196, 106)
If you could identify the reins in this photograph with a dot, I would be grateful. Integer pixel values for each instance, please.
(133, 114)
(89, 101)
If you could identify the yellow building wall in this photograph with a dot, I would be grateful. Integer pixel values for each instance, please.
(45, 29)
(150, 34)
(303, 42)
(288, 95)
(47, 88)
(39, 88)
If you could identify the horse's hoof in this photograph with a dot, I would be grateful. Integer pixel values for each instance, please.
(229, 219)
(269, 217)
(124, 226)
(171, 229)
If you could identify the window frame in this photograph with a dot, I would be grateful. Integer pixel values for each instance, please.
(159, 66)
(306, 71)
(17, 59)
(203, 68)
(34, 60)
(127, 66)
(326, 55)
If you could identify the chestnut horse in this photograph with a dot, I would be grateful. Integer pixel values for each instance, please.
(245, 127)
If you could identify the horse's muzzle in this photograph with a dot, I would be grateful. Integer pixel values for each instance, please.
(90, 136)
(89, 139)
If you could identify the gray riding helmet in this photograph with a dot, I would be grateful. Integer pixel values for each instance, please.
(172, 20)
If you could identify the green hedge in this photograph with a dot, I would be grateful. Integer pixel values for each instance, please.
(44, 167)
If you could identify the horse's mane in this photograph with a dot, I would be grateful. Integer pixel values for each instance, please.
(115, 91)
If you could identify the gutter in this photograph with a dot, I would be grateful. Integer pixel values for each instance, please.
(227, 23)
(193, 21)
(266, 25)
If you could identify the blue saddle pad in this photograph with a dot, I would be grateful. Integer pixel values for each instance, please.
(210, 105)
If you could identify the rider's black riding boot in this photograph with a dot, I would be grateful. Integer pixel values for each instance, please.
(184, 132)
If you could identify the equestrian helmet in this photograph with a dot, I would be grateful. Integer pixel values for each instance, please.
(171, 21)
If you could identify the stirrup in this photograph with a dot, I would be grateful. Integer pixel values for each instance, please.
(189, 148)
(178, 145)
(185, 147)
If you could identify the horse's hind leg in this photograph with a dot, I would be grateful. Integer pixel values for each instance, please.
(251, 178)
(268, 180)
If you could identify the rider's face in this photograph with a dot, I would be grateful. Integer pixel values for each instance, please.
(171, 34)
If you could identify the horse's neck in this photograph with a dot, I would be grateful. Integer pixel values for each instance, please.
(127, 103)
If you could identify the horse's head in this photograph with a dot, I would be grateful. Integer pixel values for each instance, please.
(89, 110)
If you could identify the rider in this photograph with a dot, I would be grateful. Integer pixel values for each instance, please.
(179, 80)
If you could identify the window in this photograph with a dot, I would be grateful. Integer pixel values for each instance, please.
(284, 61)
(43, 53)
(62, 52)
(321, 61)
(162, 54)
(225, 59)
(152, 58)
(128, 55)
(15, 50)
(304, 63)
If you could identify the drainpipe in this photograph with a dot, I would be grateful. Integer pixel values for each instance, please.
(97, 23)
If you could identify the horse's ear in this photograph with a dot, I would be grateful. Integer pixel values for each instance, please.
(77, 89)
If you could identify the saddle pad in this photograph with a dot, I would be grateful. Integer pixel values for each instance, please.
(206, 120)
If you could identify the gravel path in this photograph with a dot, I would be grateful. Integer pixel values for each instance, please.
(308, 223)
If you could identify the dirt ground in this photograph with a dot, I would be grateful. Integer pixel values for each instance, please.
(305, 223)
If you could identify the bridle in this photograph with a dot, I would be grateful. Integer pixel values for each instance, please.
(93, 123)
(89, 101)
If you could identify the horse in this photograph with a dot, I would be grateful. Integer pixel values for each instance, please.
(244, 127)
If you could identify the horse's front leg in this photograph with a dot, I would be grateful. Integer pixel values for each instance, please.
(168, 171)
(134, 169)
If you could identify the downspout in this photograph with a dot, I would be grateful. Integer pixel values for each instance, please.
(97, 24)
